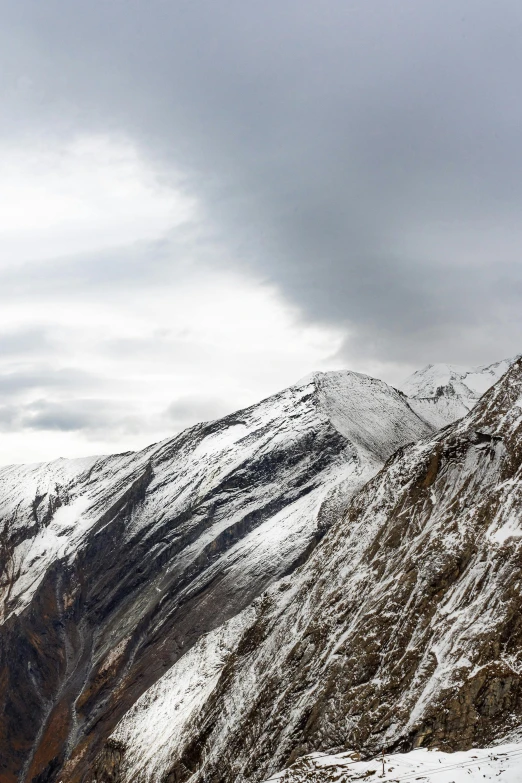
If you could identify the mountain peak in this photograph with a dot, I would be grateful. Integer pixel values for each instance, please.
(470, 382)
(443, 393)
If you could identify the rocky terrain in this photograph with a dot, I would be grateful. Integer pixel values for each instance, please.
(113, 568)
(402, 630)
(292, 578)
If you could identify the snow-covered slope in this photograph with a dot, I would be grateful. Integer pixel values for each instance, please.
(161, 720)
(403, 629)
(114, 567)
(502, 763)
(443, 393)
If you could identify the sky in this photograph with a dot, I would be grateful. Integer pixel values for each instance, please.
(202, 202)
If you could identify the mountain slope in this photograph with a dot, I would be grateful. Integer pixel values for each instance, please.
(504, 762)
(403, 629)
(443, 393)
(114, 567)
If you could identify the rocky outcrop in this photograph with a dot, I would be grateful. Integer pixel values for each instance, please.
(114, 568)
(403, 629)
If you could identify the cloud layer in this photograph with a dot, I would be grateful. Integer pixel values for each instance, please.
(356, 164)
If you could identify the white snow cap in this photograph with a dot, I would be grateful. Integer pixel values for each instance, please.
(464, 381)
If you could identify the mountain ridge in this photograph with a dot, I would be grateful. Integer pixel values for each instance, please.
(401, 630)
(114, 567)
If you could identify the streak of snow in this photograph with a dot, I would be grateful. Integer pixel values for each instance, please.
(154, 728)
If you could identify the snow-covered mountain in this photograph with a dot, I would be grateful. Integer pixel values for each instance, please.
(443, 393)
(402, 629)
(115, 568)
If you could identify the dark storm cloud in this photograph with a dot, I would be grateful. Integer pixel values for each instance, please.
(363, 156)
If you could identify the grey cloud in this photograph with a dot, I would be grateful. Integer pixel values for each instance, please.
(28, 341)
(96, 418)
(88, 274)
(101, 418)
(102, 275)
(71, 415)
(15, 382)
(321, 139)
(9, 418)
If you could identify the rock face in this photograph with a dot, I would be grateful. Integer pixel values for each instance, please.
(443, 393)
(114, 568)
(403, 628)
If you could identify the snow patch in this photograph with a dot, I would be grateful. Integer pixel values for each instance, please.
(502, 763)
(154, 728)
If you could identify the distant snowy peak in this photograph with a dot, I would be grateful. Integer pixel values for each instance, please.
(443, 393)
(437, 379)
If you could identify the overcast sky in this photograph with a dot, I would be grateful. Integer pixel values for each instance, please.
(202, 201)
